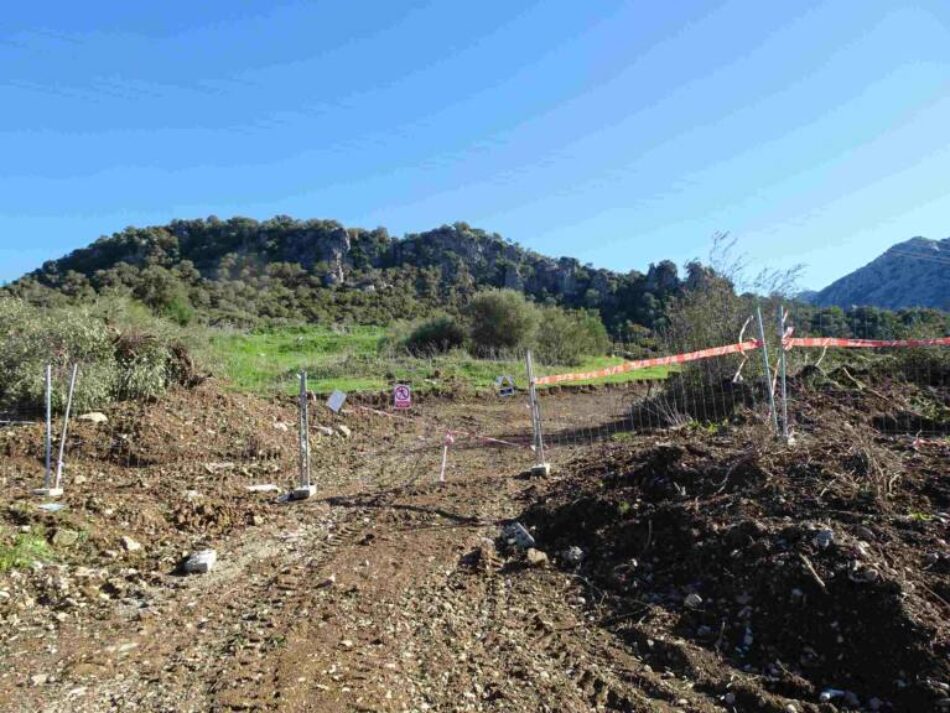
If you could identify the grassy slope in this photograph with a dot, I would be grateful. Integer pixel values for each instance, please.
(357, 360)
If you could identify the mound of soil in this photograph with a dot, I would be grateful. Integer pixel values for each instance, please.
(817, 572)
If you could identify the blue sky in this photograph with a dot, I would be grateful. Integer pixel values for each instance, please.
(621, 133)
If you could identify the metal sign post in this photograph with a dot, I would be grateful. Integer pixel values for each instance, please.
(62, 438)
(768, 369)
(48, 488)
(306, 489)
(541, 467)
(782, 371)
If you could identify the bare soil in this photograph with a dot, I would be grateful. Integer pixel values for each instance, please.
(814, 568)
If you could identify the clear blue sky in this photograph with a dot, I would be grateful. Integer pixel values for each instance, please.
(617, 132)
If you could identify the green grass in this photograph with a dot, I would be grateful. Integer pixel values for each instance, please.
(26, 549)
(360, 360)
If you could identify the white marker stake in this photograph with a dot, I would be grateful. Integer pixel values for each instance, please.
(449, 440)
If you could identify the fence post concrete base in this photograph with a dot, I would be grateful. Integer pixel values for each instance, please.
(303, 492)
(541, 470)
(49, 492)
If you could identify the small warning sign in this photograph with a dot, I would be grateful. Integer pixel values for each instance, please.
(335, 402)
(505, 386)
(402, 397)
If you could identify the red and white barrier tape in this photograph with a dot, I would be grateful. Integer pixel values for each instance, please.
(740, 348)
(437, 427)
(656, 361)
(812, 342)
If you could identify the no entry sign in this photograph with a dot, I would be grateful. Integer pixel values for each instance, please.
(402, 397)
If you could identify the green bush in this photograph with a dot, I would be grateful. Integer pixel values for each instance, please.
(567, 337)
(122, 350)
(435, 336)
(502, 321)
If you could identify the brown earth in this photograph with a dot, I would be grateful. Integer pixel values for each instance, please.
(822, 565)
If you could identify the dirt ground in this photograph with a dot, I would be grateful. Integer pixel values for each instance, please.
(704, 568)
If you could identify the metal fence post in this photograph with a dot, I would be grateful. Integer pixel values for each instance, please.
(62, 438)
(782, 370)
(768, 369)
(305, 489)
(48, 480)
(541, 466)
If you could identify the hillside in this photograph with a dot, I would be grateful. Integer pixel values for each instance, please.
(240, 271)
(915, 273)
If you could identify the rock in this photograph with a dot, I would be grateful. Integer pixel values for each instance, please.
(263, 488)
(281, 426)
(693, 601)
(328, 582)
(346, 644)
(324, 430)
(518, 535)
(573, 555)
(823, 539)
(130, 545)
(65, 538)
(200, 562)
(829, 694)
(729, 699)
(39, 679)
(536, 558)
(93, 417)
(344, 430)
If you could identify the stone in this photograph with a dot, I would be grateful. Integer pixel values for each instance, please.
(65, 538)
(201, 562)
(823, 539)
(39, 679)
(344, 430)
(693, 601)
(93, 417)
(516, 533)
(324, 430)
(573, 555)
(536, 558)
(130, 545)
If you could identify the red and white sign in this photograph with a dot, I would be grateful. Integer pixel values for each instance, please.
(402, 397)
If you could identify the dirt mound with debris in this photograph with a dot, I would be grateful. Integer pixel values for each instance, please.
(814, 573)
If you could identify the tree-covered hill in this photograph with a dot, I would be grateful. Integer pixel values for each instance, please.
(242, 271)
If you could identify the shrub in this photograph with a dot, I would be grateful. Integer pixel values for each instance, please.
(435, 336)
(566, 337)
(502, 320)
(123, 351)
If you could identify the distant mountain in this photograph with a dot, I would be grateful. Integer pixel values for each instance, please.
(915, 273)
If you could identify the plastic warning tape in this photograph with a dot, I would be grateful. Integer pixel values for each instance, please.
(864, 343)
(627, 366)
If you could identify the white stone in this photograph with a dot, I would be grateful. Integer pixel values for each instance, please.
(93, 417)
(201, 562)
(130, 545)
